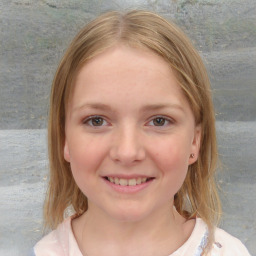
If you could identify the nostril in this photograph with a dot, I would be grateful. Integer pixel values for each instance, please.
(127, 150)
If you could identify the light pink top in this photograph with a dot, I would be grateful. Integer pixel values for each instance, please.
(61, 242)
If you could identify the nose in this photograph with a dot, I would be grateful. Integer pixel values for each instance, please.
(127, 147)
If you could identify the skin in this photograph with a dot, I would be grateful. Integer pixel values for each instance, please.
(127, 89)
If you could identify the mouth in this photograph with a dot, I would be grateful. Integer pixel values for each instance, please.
(128, 182)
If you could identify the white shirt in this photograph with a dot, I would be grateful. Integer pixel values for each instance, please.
(62, 242)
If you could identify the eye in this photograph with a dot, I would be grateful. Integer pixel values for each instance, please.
(160, 121)
(95, 121)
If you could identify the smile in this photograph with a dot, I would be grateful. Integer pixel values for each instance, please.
(128, 182)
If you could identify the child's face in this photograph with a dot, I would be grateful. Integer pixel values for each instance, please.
(128, 122)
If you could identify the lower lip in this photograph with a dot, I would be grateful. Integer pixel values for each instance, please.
(128, 189)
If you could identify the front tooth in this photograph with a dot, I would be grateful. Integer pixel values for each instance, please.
(138, 181)
(132, 182)
(143, 180)
(123, 182)
(116, 180)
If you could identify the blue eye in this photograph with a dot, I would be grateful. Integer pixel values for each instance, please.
(95, 121)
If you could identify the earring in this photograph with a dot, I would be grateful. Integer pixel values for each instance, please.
(192, 155)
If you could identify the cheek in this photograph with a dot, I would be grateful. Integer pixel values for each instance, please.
(86, 157)
(174, 164)
(86, 154)
(171, 158)
(171, 151)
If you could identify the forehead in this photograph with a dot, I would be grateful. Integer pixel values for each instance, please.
(123, 58)
(128, 73)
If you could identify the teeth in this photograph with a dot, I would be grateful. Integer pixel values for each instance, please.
(116, 181)
(123, 182)
(127, 182)
(132, 182)
(143, 180)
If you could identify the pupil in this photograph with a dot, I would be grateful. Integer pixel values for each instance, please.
(97, 121)
(159, 121)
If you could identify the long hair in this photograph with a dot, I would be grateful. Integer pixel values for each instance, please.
(141, 29)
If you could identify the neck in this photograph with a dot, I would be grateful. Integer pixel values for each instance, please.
(161, 233)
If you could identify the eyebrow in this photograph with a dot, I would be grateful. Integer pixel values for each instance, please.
(99, 106)
(153, 107)
(146, 108)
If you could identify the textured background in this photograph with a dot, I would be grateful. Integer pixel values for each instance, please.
(33, 37)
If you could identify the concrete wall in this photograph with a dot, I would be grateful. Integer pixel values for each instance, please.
(33, 37)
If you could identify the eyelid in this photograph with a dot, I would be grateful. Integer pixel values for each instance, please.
(169, 119)
(89, 118)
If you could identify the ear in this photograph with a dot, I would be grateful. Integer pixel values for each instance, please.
(195, 147)
(66, 151)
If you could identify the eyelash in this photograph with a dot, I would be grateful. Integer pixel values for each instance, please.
(91, 118)
(168, 120)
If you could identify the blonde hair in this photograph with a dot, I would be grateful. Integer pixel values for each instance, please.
(198, 195)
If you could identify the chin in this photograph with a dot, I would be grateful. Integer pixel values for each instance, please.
(130, 214)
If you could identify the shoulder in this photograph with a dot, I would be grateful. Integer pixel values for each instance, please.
(224, 245)
(228, 245)
(56, 242)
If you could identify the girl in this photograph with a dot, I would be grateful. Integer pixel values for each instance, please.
(132, 145)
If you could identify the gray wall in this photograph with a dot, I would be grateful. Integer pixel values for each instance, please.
(33, 37)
